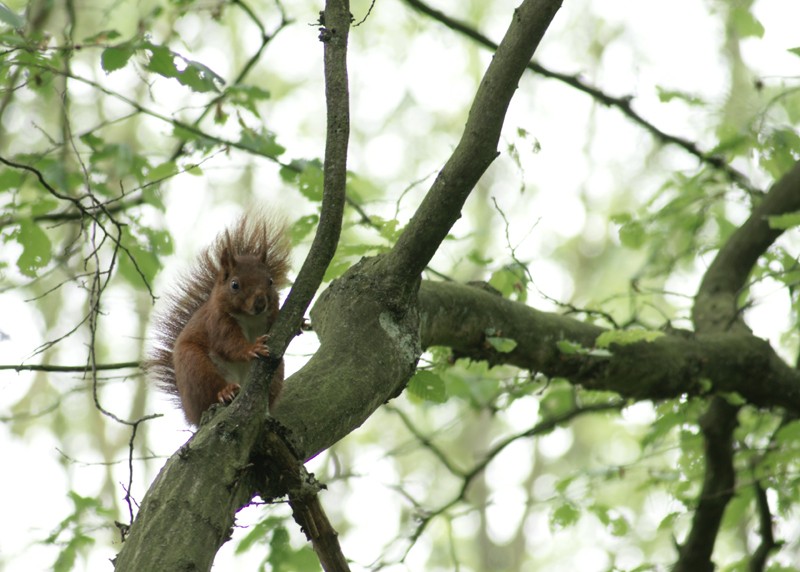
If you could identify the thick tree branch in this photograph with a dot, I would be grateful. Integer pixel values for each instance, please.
(203, 485)
(478, 145)
(715, 304)
(459, 316)
(716, 311)
(717, 425)
(371, 311)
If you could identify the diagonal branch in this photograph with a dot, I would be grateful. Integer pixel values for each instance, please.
(715, 305)
(478, 145)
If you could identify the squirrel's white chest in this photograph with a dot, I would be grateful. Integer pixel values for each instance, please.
(252, 326)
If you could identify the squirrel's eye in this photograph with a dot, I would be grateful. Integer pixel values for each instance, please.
(234, 285)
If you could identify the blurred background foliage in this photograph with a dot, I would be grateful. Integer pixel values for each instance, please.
(133, 131)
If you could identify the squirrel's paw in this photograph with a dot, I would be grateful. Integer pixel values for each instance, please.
(259, 347)
(227, 393)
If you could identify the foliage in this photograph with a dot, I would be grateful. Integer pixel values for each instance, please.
(131, 136)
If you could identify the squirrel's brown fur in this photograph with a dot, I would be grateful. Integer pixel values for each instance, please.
(216, 316)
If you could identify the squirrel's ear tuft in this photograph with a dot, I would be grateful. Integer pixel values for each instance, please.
(226, 261)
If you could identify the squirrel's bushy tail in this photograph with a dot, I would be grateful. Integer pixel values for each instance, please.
(256, 233)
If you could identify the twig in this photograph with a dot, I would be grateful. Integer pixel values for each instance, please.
(623, 104)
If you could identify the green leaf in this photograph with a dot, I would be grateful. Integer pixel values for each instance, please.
(199, 78)
(795, 51)
(428, 386)
(163, 171)
(10, 179)
(571, 348)
(565, 515)
(668, 522)
(162, 61)
(302, 227)
(44, 206)
(11, 18)
(616, 524)
(116, 57)
(262, 142)
(258, 533)
(784, 221)
(511, 281)
(632, 234)
(140, 261)
(247, 97)
(310, 182)
(36, 248)
(559, 399)
(734, 398)
(626, 337)
(283, 558)
(789, 435)
(502, 345)
(66, 558)
(745, 24)
(13, 40)
(780, 151)
(200, 141)
(667, 95)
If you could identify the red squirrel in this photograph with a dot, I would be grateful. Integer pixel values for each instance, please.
(217, 316)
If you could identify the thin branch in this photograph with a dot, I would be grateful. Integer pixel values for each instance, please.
(266, 38)
(72, 368)
(190, 128)
(93, 212)
(426, 441)
(543, 427)
(758, 561)
(623, 104)
(303, 488)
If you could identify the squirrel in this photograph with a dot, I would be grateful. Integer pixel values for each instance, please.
(217, 315)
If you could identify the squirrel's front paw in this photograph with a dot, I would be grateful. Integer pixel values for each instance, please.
(227, 393)
(259, 347)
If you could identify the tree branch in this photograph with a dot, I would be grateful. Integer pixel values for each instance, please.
(478, 145)
(205, 483)
(459, 316)
(716, 300)
(716, 311)
(371, 310)
(623, 104)
(758, 561)
(717, 425)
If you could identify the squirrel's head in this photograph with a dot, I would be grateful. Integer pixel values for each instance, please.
(248, 286)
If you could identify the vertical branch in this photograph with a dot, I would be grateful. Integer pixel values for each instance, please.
(715, 311)
(717, 425)
(334, 31)
(758, 561)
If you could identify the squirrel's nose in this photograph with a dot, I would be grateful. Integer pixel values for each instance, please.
(259, 304)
